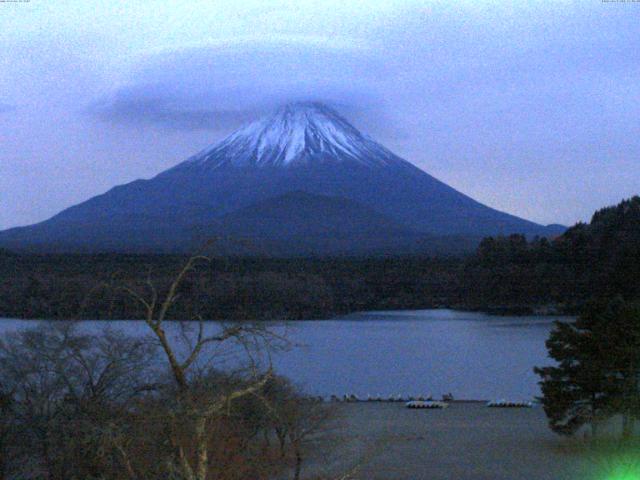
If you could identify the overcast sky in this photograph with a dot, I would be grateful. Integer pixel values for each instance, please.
(530, 107)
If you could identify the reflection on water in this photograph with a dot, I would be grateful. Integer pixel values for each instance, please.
(418, 352)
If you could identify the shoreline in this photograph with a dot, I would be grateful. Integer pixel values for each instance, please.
(337, 316)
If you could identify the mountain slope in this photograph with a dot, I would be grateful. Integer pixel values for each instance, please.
(304, 147)
(299, 223)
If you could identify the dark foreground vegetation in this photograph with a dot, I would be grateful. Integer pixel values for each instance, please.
(597, 374)
(504, 275)
(75, 405)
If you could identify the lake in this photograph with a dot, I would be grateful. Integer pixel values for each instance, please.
(418, 352)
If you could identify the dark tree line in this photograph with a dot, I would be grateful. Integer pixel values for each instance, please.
(596, 260)
(72, 286)
(504, 275)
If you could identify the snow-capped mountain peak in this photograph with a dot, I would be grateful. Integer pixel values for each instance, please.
(297, 134)
(302, 181)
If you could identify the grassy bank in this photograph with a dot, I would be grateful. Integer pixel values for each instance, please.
(467, 441)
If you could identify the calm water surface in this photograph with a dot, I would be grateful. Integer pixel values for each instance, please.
(419, 352)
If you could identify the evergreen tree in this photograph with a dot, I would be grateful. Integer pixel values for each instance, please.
(619, 341)
(573, 392)
(598, 364)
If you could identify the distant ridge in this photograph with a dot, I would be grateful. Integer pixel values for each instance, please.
(300, 181)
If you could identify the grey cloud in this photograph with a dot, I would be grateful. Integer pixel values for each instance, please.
(138, 107)
(218, 86)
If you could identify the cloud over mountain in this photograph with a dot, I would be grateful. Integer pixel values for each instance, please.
(219, 84)
(489, 98)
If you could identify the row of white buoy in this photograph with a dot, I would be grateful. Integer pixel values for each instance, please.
(509, 404)
(426, 401)
(426, 404)
(493, 404)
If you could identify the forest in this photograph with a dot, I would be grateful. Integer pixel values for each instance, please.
(510, 275)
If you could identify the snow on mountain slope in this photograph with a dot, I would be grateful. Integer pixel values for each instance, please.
(296, 134)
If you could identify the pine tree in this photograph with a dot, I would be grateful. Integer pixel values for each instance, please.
(573, 393)
(619, 341)
(598, 364)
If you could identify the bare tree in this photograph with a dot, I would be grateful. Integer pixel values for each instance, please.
(195, 404)
(100, 405)
(64, 389)
(298, 421)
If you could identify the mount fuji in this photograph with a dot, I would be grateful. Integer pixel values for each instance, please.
(302, 181)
